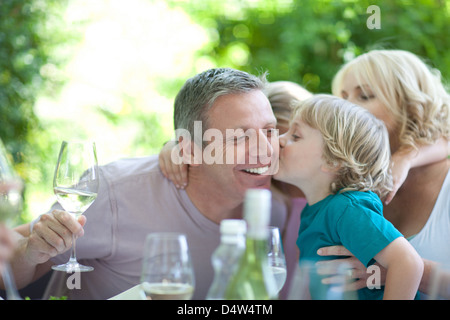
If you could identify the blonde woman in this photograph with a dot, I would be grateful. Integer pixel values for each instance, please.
(400, 89)
(338, 154)
(409, 97)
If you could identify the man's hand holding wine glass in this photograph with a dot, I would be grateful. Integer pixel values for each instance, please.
(52, 235)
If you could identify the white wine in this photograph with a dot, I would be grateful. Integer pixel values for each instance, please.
(167, 291)
(74, 201)
(280, 276)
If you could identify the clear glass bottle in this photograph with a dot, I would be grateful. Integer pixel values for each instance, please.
(254, 280)
(225, 258)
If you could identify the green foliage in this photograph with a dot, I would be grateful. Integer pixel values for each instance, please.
(52, 298)
(57, 298)
(30, 33)
(306, 41)
(20, 61)
(27, 35)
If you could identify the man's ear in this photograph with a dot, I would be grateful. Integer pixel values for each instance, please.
(190, 152)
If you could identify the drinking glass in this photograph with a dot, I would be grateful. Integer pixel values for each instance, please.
(167, 272)
(75, 185)
(308, 282)
(10, 207)
(276, 259)
(439, 288)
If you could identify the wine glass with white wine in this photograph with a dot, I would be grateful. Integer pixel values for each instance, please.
(10, 208)
(75, 185)
(275, 257)
(167, 272)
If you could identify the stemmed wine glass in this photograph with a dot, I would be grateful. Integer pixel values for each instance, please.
(10, 207)
(309, 282)
(167, 272)
(276, 259)
(439, 287)
(75, 185)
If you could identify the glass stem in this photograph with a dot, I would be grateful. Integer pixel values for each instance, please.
(73, 257)
(8, 279)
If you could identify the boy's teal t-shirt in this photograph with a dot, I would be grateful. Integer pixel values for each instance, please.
(353, 219)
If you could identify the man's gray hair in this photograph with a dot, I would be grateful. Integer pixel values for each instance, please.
(199, 93)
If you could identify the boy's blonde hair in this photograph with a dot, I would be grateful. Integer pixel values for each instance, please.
(355, 142)
(412, 92)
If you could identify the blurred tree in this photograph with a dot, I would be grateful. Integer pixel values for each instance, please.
(306, 41)
(31, 33)
(26, 36)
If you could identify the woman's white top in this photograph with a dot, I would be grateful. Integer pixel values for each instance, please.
(433, 241)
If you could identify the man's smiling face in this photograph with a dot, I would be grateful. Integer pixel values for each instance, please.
(254, 144)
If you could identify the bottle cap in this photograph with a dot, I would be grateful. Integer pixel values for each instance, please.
(233, 226)
(257, 207)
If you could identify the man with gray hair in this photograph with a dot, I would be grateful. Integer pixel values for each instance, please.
(135, 199)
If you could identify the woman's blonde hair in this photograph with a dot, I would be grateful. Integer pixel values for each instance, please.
(281, 94)
(412, 92)
(355, 142)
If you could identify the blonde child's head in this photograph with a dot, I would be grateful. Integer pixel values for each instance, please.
(411, 91)
(356, 143)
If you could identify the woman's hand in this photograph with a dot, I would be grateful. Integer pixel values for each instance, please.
(400, 166)
(177, 173)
